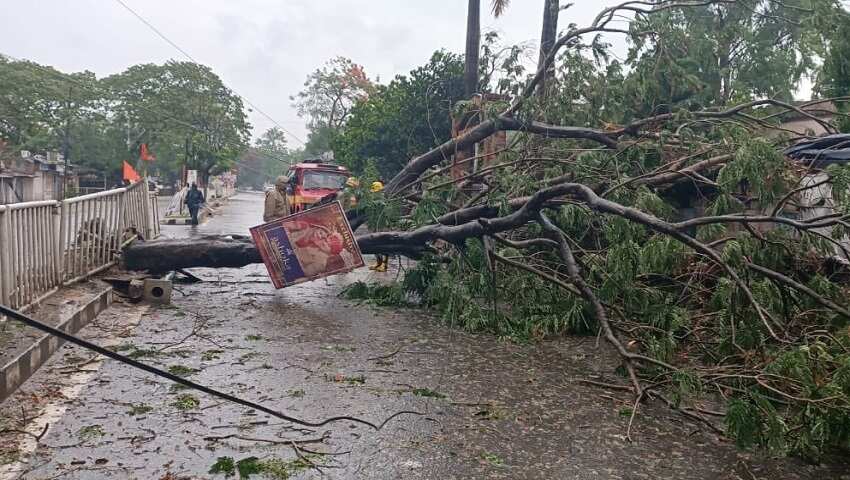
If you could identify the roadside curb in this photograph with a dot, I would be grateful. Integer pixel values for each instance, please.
(17, 371)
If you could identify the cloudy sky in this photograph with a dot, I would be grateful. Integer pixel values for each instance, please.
(263, 49)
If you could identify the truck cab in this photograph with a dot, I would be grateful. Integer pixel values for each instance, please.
(312, 181)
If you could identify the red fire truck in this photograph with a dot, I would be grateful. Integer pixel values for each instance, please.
(312, 181)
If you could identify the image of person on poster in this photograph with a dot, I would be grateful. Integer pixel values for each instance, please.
(319, 249)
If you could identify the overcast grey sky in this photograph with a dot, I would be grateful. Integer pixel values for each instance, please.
(263, 49)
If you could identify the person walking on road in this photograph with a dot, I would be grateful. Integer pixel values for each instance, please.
(194, 200)
(277, 205)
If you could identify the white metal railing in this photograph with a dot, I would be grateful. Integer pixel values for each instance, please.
(28, 260)
(45, 244)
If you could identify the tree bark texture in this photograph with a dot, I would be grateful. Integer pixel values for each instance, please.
(473, 43)
(551, 8)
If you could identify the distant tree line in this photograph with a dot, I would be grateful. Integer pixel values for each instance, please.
(182, 111)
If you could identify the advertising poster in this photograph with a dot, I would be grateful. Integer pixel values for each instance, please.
(312, 244)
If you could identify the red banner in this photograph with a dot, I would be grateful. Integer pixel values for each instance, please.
(145, 154)
(130, 173)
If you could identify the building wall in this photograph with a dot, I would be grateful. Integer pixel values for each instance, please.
(806, 126)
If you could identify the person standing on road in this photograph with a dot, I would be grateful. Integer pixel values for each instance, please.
(277, 205)
(194, 200)
(381, 261)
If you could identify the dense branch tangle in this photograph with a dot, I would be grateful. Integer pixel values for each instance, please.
(677, 237)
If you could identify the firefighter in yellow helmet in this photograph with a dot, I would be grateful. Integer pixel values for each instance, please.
(381, 260)
(349, 199)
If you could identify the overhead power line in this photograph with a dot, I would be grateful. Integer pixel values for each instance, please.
(186, 54)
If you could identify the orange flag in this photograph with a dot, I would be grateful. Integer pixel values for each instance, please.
(145, 154)
(130, 173)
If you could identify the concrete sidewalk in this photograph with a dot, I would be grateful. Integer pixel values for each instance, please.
(23, 349)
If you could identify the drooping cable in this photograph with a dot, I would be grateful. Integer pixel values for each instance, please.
(31, 322)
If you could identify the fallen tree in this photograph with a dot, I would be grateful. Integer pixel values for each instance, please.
(684, 238)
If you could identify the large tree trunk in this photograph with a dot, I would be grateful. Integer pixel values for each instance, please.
(473, 41)
(234, 251)
(551, 9)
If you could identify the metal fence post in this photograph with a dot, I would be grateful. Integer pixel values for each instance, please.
(5, 257)
(146, 206)
(61, 232)
(121, 218)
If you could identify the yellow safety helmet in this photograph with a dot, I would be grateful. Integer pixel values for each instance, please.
(377, 187)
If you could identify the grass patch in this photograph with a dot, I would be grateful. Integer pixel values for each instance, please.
(186, 402)
(254, 337)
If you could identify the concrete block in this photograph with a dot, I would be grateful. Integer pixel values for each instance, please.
(157, 291)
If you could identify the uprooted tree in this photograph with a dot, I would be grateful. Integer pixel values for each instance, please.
(684, 237)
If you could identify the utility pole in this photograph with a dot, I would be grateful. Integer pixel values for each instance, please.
(66, 143)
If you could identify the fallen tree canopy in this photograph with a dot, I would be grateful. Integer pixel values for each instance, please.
(684, 238)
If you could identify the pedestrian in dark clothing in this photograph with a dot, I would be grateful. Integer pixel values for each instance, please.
(194, 200)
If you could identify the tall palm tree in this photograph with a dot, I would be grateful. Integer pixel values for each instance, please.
(551, 9)
(473, 41)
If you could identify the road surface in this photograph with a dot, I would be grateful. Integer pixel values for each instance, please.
(485, 408)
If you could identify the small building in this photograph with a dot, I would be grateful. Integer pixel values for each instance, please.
(28, 177)
(816, 200)
(805, 125)
(484, 153)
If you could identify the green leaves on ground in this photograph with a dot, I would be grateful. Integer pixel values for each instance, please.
(272, 468)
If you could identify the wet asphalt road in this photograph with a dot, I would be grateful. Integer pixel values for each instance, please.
(485, 408)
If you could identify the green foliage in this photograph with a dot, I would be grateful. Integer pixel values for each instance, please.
(185, 402)
(182, 370)
(427, 392)
(139, 409)
(834, 77)
(90, 432)
(382, 295)
(182, 111)
(225, 465)
(666, 300)
(408, 116)
(716, 54)
(757, 169)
